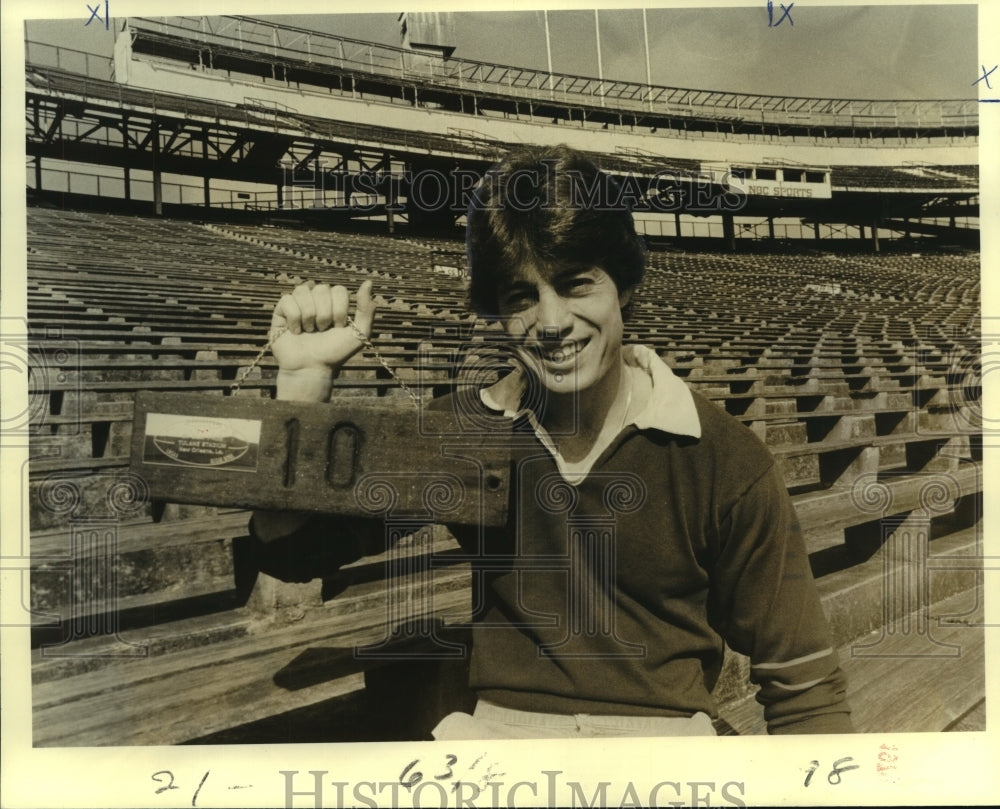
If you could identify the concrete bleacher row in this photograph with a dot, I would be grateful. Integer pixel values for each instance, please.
(905, 177)
(860, 373)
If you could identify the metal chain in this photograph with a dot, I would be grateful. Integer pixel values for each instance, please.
(366, 341)
(274, 334)
(271, 337)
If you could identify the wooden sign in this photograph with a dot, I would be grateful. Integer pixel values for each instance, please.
(350, 456)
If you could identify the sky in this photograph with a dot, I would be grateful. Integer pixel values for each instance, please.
(854, 51)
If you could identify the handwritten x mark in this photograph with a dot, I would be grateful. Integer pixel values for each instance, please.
(95, 14)
(785, 15)
(986, 76)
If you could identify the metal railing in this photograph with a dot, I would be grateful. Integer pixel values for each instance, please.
(253, 113)
(282, 42)
(59, 81)
(43, 54)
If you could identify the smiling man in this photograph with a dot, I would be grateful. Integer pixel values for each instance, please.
(647, 527)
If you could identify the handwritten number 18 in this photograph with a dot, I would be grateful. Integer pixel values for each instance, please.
(834, 776)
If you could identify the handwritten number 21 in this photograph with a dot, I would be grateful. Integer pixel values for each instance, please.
(170, 783)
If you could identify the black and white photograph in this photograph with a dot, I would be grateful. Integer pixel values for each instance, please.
(393, 395)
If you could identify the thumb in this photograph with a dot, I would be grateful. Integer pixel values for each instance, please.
(364, 311)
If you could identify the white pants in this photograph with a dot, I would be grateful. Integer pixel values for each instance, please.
(494, 722)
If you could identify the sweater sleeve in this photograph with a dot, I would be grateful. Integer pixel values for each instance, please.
(766, 606)
(317, 549)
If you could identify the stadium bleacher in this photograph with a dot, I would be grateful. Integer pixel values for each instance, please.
(860, 372)
(929, 177)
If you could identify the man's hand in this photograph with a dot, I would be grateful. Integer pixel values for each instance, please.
(314, 343)
(316, 339)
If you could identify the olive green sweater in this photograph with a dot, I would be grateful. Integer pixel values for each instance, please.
(615, 595)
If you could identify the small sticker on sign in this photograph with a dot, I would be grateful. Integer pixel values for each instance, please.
(229, 444)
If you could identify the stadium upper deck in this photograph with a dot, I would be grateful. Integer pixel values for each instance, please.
(241, 100)
(229, 58)
(298, 55)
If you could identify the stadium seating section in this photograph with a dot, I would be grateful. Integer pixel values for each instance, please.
(904, 177)
(860, 372)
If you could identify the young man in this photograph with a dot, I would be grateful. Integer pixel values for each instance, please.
(647, 526)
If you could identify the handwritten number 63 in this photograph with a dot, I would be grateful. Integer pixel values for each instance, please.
(416, 777)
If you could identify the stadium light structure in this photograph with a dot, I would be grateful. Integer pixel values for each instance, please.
(600, 66)
(548, 49)
(649, 75)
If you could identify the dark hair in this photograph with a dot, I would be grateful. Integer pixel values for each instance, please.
(554, 208)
